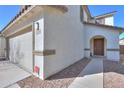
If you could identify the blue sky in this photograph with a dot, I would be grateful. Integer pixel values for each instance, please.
(7, 12)
(101, 9)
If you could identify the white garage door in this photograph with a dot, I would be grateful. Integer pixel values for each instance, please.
(21, 50)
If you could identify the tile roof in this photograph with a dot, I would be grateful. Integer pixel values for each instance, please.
(17, 15)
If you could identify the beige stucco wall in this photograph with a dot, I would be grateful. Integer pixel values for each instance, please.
(39, 46)
(64, 33)
(2, 46)
(109, 20)
(112, 37)
(85, 16)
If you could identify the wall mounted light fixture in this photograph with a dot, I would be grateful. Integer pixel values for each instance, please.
(37, 27)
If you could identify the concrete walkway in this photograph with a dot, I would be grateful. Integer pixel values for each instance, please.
(14, 86)
(10, 74)
(91, 76)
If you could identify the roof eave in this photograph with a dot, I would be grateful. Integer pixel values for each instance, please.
(87, 10)
(26, 9)
(18, 16)
(105, 15)
(120, 29)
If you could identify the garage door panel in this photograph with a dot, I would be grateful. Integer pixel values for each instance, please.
(21, 50)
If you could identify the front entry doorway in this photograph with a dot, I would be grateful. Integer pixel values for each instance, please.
(99, 46)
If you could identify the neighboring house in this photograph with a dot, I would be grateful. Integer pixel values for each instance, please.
(106, 19)
(2, 47)
(51, 38)
(121, 42)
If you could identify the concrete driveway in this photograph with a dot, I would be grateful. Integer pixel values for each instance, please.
(10, 74)
(91, 76)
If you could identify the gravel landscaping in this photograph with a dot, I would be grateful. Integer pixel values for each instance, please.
(113, 74)
(60, 80)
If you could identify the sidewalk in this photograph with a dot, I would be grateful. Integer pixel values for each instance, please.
(10, 74)
(14, 86)
(91, 76)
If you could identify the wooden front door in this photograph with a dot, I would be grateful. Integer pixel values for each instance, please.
(99, 46)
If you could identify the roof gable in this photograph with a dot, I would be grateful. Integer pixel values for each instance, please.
(105, 15)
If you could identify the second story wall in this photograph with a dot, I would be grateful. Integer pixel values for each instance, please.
(2, 46)
(109, 20)
(104, 21)
(85, 16)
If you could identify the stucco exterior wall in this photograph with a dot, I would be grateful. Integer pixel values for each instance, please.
(101, 21)
(106, 20)
(109, 20)
(112, 37)
(39, 46)
(59, 31)
(85, 16)
(64, 34)
(2, 47)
